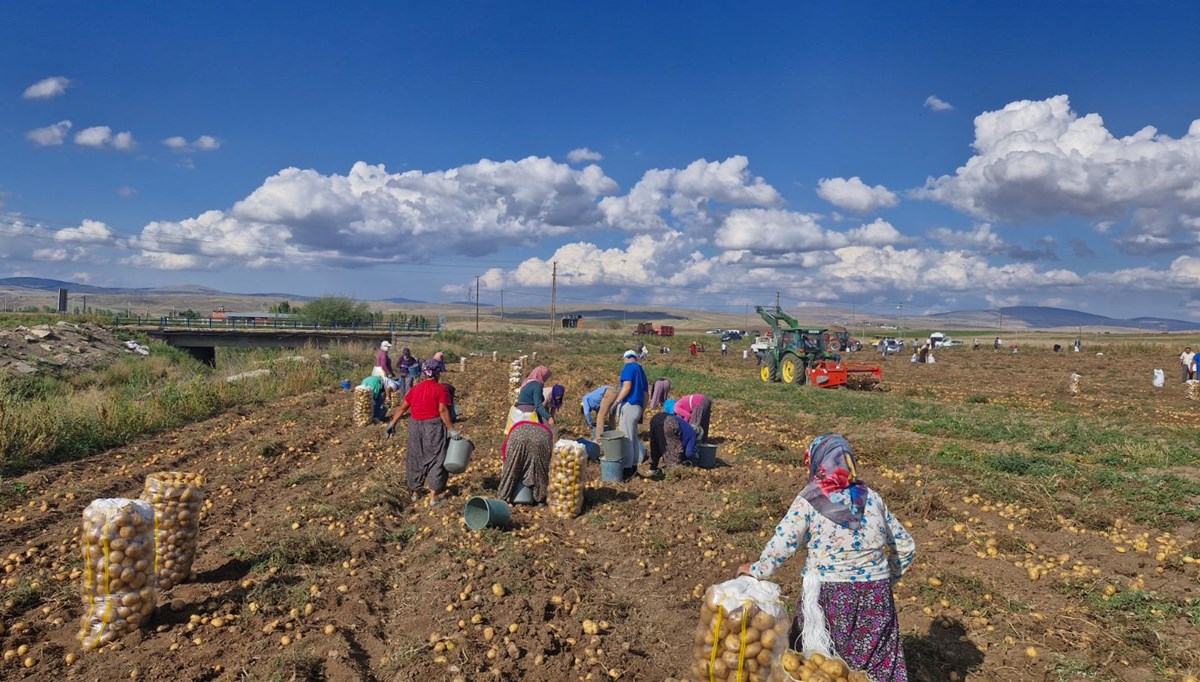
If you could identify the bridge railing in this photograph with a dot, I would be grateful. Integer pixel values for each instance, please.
(168, 322)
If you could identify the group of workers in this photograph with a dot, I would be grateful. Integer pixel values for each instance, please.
(855, 545)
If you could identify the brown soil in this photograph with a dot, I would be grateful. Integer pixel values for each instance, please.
(308, 510)
(58, 348)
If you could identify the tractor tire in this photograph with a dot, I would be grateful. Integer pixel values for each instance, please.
(791, 370)
(854, 348)
(764, 373)
(835, 346)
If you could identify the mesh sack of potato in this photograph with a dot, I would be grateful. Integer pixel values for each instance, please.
(119, 585)
(363, 406)
(393, 400)
(794, 666)
(177, 498)
(743, 632)
(565, 496)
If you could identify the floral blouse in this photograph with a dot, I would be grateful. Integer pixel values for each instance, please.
(880, 549)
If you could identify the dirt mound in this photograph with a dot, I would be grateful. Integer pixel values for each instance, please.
(60, 347)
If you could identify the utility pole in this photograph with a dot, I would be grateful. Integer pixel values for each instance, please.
(501, 305)
(777, 308)
(476, 304)
(553, 296)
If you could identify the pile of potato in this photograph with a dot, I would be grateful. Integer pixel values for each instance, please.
(1193, 389)
(1075, 383)
(119, 586)
(363, 406)
(565, 495)
(177, 498)
(793, 666)
(393, 400)
(738, 645)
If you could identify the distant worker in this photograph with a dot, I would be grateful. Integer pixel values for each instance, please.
(996, 344)
(1078, 345)
(724, 348)
(631, 401)
(408, 368)
(429, 431)
(694, 349)
(593, 402)
(642, 352)
(1185, 364)
(696, 408)
(660, 392)
(975, 345)
(383, 362)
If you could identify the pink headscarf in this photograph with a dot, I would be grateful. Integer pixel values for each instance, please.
(540, 374)
(439, 356)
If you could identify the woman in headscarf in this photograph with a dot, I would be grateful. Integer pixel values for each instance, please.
(660, 392)
(531, 399)
(696, 408)
(407, 364)
(672, 440)
(429, 430)
(526, 461)
(855, 549)
(440, 358)
(552, 398)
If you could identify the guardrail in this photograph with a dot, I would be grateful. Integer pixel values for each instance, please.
(166, 322)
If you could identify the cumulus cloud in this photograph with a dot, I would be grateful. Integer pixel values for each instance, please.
(370, 215)
(937, 103)
(583, 154)
(855, 195)
(50, 135)
(983, 240)
(204, 143)
(125, 191)
(89, 231)
(99, 137)
(774, 231)
(693, 196)
(47, 88)
(1035, 160)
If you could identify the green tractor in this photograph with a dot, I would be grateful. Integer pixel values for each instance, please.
(790, 350)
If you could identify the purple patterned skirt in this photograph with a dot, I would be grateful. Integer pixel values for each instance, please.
(862, 622)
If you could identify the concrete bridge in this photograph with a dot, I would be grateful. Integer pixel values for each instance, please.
(202, 343)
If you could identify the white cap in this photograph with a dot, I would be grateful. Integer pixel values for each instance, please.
(385, 345)
(629, 354)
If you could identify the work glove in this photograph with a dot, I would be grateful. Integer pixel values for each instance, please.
(390, 430)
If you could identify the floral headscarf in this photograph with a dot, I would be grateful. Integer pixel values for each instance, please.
(540, 374)
(833, 488)
(432, 368)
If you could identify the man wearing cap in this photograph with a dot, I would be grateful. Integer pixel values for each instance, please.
(383, 362)
(631, 400)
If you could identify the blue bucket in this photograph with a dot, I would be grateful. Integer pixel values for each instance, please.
(346, 384)
(482, 512)
(612, 470)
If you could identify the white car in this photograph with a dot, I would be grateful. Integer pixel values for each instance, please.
(715, 331)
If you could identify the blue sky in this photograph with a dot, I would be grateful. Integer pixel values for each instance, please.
(945, 155)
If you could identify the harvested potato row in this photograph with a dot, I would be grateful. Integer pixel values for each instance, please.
(741, 644)
(119, 585)
(565, 496)
(177, 498)
(363, 406)
(793, 666)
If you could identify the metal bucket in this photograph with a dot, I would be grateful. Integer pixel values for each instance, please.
(482, 512)
(612, 470)
(612, 444)
(458, 455)
(524, 495)
(707, 456)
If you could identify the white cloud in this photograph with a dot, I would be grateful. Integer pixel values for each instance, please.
(89, 231)
(855, 195)
(99, 137)
(83, 277)
(583, 154)
(204, 143)
(688, 195)
(125, 191)
(1035, 160)
(937, 103)
(47, 88)
(370, 215)
(50, 135)
(776, 231)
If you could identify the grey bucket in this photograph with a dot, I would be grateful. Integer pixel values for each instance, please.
(482, 512)
(458, 455)
(612, 444)
(524, 495)
(707, 456)
(612, 470)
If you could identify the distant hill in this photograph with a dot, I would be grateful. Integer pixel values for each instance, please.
(1043, 317)
(399, 299)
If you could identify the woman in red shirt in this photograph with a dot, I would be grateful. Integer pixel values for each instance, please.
(429, 428)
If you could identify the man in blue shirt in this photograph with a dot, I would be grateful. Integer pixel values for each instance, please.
(591, 403)
(631, 400)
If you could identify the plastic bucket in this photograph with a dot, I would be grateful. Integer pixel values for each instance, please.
(591, 448)
(707, 456)
(482, 512)
(346, 384)
(524, 495)
(458, 455)
(612, 470)
(612, 445)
